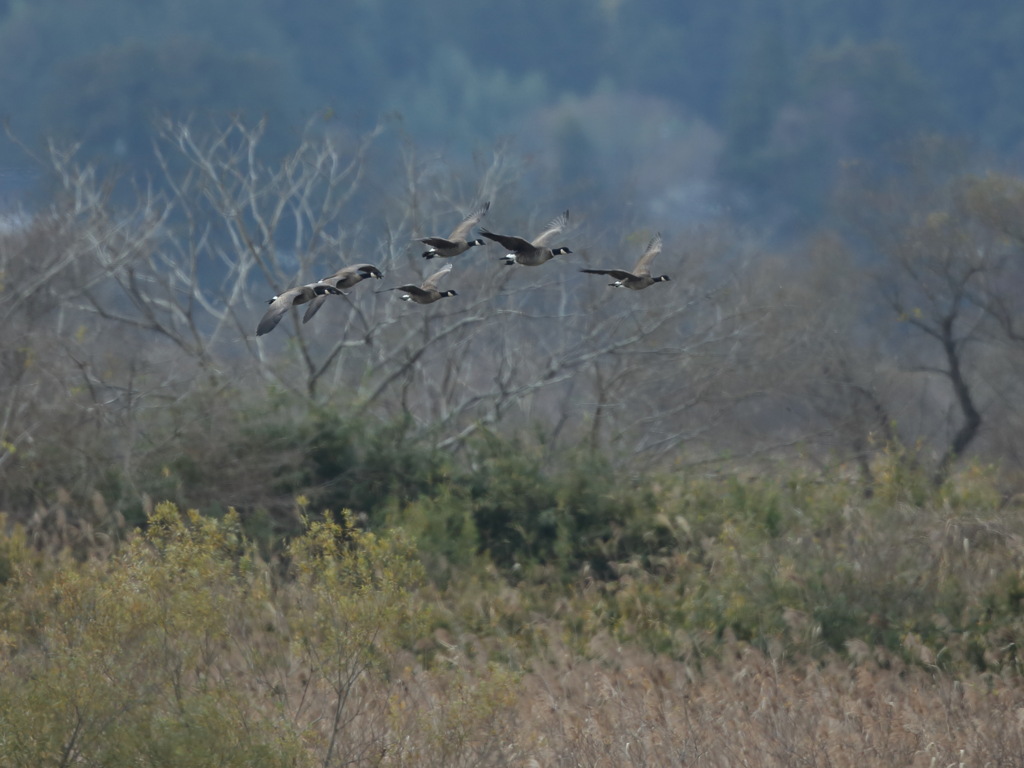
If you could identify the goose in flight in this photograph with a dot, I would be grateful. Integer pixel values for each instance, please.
(456, 242)
(640, 277)
(427, 292)
(532, 253)
(345, 277)
(288, 299)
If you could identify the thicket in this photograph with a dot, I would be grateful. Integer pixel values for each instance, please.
(183, 644)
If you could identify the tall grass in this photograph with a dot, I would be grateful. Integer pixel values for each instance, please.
(676, 620)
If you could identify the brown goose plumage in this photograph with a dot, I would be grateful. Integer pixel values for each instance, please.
(288, 299)
(427, 292)
(456, 242)
(640, 277)
(345, 277)
(532, 253)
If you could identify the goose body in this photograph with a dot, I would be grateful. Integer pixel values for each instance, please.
(532, 253)
(640, 277)
(456, 242)
(427, 292)
(346, 277)
(288, 299)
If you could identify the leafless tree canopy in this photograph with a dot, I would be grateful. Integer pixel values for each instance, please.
(117, 313)
(127, 307)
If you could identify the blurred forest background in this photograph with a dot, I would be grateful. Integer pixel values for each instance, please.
(748, 107)
(766, 513)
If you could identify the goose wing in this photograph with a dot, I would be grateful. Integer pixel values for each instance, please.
(618, 274)
(278, 306)
(460, 232)
(431, 282)
(513, 243)
(271, 318)
(314, 306)
(554, 226)
(436, 242)
(643, 267)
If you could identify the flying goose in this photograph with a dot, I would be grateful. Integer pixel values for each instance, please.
(345, 277)
(532, 254)
(640, 277)
(427, 292)
(288, 299)
(456, 242)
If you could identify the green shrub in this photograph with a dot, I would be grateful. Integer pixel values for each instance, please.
(182, 649)
(564, 514)
(361, 465)
(808, 567)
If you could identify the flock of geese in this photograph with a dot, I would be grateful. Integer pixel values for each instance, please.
(530, 253)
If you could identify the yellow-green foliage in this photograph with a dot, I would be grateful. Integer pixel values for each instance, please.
(184, 647)
(355, 610)
(181, 651)
(14, 549)
(810, 567)
(127, 661)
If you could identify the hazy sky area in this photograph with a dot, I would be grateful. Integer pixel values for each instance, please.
(749, 107)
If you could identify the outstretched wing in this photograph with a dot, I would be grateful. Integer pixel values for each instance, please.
(314, 307)
(436, 242)
(278, 306)
(460, 232)
(555, 226)
(270, 320)
(643, 267)
(431, 282)
(618, 274)
(513, 243)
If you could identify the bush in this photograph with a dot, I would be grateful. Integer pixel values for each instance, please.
(560, 514)
(183, 649)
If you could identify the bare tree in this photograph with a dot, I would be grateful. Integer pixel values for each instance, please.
(152, 293)
(943, 272)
